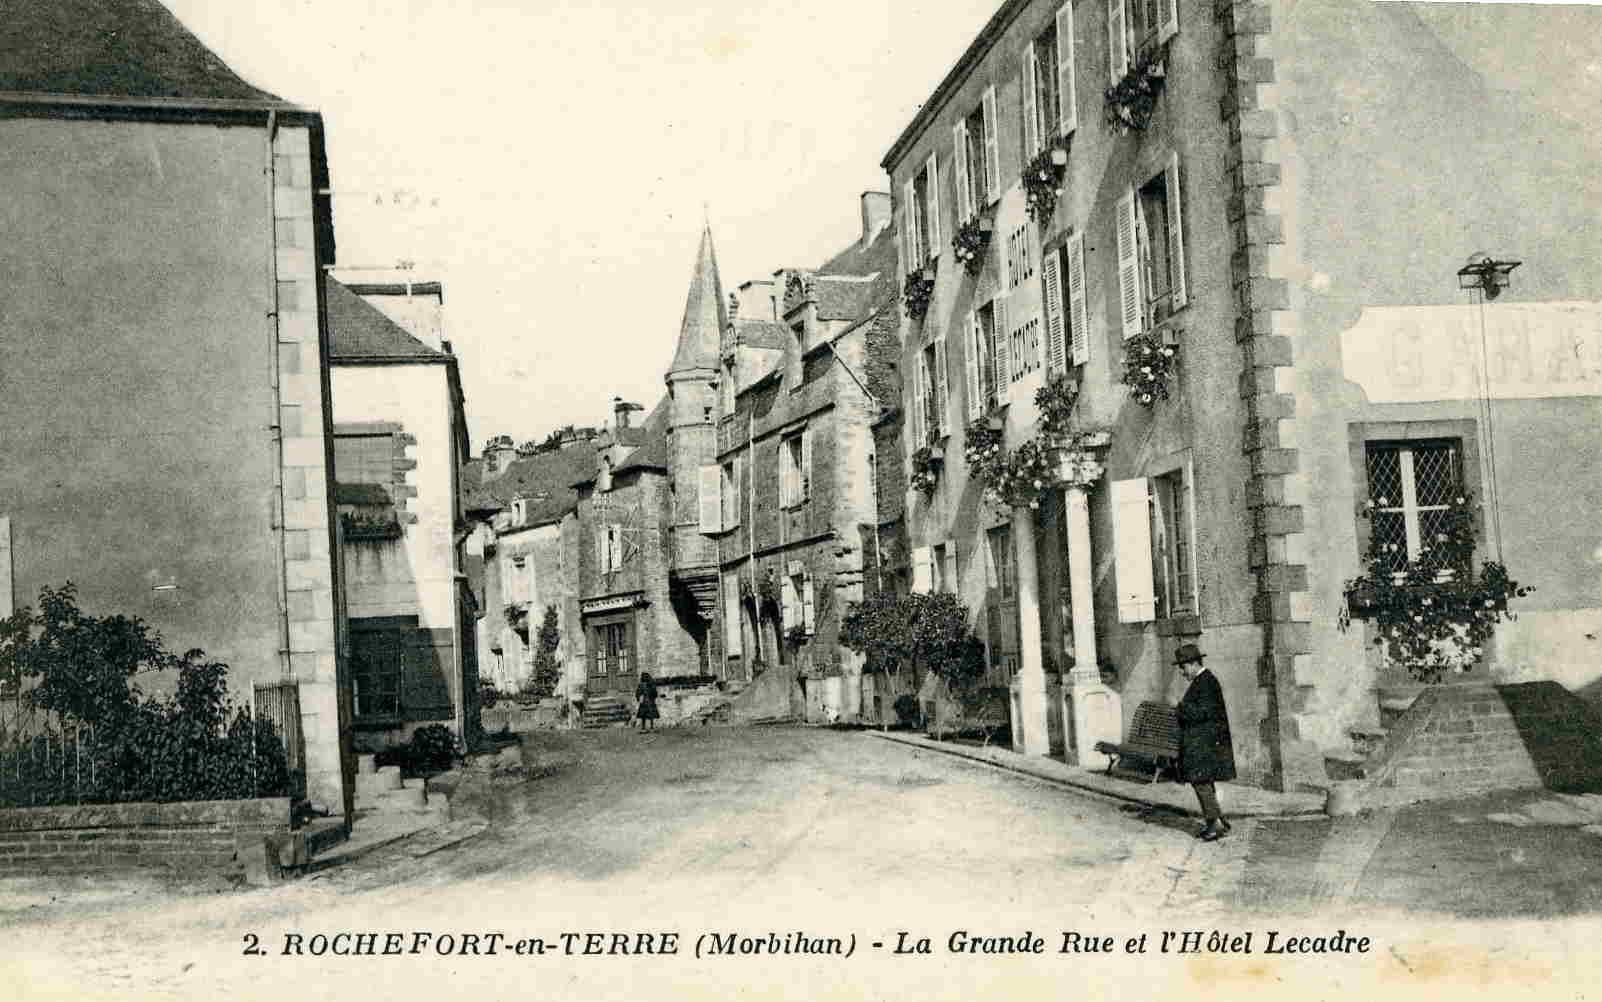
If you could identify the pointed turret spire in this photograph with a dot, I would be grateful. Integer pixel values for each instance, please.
(703, 313)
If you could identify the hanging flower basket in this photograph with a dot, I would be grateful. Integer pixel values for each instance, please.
(1043, 179)
(970, 242)
(916, 291)
(1055, 399)
(1148, 366)
(1131, 101)
(1431, 614)
(926, 469)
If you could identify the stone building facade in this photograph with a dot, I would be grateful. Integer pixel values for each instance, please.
(1221, 181)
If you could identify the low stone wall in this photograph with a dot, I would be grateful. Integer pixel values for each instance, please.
(196, 835)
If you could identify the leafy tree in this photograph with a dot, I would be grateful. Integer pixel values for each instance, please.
(905, 631)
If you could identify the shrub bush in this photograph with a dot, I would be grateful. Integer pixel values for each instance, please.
(110, 743)
(433, 748)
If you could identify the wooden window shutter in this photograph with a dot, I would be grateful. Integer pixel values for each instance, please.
(1029, 84)
(1131, 511)
(998, 316)
(603, 560)
(806, 463)
(787, 615)
(711, 498)
(1129, 297)
(959, 162)
(1167, 19)
(1067, 100)
(1117, 48)
(922, 578)
(992, 148)
(1051, 288)
(942, 390)
(915, 403)
(1078, 314)
(1176, 231)
(617, 547)
(909, 200)
(808, 606)
(932, 175)
(971, 365)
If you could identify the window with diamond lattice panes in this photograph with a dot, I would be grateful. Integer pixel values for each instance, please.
(1413, 487)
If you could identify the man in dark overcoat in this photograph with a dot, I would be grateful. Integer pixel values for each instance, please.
(1206, 754)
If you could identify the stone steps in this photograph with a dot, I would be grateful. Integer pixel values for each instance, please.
(604, 711)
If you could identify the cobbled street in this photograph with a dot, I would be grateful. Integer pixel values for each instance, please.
(785, 831)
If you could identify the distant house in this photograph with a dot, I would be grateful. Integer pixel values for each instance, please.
(168, 431)
(400, 439)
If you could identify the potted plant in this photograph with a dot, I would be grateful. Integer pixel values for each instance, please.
(1430, 613)
(926, 469)
(1131, 101)
(1148, 367)
(970, 242)
(916, 291)
(1043, 178)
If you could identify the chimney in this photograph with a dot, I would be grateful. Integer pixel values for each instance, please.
(875, 214)
(498, 455)
(620, 412)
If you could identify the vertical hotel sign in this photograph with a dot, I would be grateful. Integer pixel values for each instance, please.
(1414, 354)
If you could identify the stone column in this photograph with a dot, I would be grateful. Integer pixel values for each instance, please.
(1031, 682)
(1091, 712)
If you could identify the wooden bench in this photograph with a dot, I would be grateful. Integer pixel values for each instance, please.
(1153, 739)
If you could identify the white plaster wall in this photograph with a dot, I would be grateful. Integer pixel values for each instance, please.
(417, 575)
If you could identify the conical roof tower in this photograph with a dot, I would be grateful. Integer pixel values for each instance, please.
(704, 315)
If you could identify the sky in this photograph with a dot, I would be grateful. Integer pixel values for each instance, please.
(553, 162)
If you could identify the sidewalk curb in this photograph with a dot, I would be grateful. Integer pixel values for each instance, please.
(1074, 786)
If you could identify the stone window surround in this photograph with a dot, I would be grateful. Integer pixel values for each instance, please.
(1361, 433)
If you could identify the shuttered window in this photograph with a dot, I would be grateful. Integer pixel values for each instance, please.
(922, 570)
(1078, 314)
(931, 173)
(992, 146)
(1056, 319)
(731, 494)
(1132, 567)
(1067, 99)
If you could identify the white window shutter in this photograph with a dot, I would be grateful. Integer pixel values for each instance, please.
(999, 322)
(806, 463)
(922, 576)
(1117, 49)
(808, 606)
(1129, 296)
(992, 148)
(959, 164)
(1067, 99)
(971, 359)
(1167, 19)
(1031, 100)
(912, 211)
(711, 498)
(915, 404)
(1051, 288)
(1131, 511)
(603, 557)
(942, 401)
(732, 634)
(787, 616)
(932, 176)
(1176, 231)
(617, 547)
(1078, 314)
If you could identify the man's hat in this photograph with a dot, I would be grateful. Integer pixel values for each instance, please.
(1188, 653)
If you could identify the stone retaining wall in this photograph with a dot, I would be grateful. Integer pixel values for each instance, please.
(197, 835)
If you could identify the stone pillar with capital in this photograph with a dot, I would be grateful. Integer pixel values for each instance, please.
(1032, 715)
(1091, 711)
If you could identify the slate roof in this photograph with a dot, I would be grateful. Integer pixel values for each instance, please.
(550, 473)
(111, 48)
(652, 453)
(854, 300)
(702, 329)
(762, 334)
(358, 329)
(845, 299)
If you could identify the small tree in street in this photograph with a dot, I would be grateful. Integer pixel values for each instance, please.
(896, 631)
(547, 670)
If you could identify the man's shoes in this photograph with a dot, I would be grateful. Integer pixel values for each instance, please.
(1214, 830)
